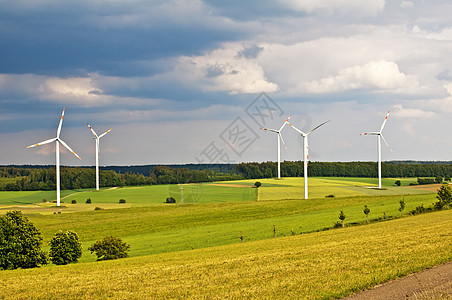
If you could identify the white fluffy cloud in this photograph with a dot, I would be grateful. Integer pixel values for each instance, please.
(375, 75)
(348, 7)
(225, 69)
(401, 112)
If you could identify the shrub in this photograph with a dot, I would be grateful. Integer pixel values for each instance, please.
(398, 183)
(20, 242)
(65, 248)
(438, 179)
(110, 247)
(402, 205)
(74, 201)
(257, 184)
(88, 201)
(44, 200)
(444, 196)
(122, 201)
(330, 196)
(98, 208)
(366, 211)
(170, 200)
(342, 218)
(447, 178)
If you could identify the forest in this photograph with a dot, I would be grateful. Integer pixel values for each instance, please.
(29, 178)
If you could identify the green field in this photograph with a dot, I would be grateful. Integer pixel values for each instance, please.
(321, 265)
(211, 221)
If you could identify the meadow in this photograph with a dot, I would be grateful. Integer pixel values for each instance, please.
(321, 265)
(214, 219)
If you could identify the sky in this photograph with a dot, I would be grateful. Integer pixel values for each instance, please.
(191, 81)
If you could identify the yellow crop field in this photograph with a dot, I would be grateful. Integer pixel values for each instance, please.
(320, 265)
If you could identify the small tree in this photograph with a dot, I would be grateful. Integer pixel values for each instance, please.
(402, 205)
(438, 179)
(88, 201)
(65, 248)
(444, 196)
(110, 247)
(342, 218)
(398, 183)
(447, 178)
(257, 184)
(20, 242)
(366, 211)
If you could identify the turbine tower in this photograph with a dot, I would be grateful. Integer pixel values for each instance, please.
(306, 154)
(380, 136)
(280, 138)
(97, 138)
(57, 141)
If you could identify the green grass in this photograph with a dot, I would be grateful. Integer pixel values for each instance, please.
(323, 265)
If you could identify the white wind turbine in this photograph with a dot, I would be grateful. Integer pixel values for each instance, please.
(306, 154)
(97, 138)
(380, 136)
(57, 141)
(280, 138)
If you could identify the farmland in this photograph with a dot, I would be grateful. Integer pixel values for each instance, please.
(178, 239)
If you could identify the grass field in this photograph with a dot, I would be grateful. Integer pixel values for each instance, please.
(212, 220)
(320, 265)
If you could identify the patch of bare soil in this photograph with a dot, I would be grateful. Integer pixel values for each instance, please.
(231, 185)
(434, 283)
(426, 187)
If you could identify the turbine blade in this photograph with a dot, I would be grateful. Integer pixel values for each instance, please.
(61, 123)
(384, 122)
(384, 140)
(105, 132)
(92, 130)
(69, 148)
(268, 129)
(319, 126)
(43, 143)
(299, 131)
(370, 133)
(286, 121)
(282, 140)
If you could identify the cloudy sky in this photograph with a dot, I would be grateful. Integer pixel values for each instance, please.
(187, 81)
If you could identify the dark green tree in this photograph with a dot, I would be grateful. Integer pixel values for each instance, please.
(438, 179)
(20, 242)
(402, 205)
(444, 196)
(257, 184)
(366, 211)
(110, 247)
(65, 248)
(342, 218)
(398, 183)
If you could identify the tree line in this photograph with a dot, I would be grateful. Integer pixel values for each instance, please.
(32, 179)
(342, 169)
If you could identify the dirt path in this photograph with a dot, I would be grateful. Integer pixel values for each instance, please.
(434, 283)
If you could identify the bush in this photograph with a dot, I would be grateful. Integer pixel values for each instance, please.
(170, 200)
(65, 248)
(330, 196)
(398, 183)
(257, 184)
(444, 196)
(425, 181)
(88, 201)
(122, 201)
(74, 201)
(438, 179)
(110, 247)
(44, 200)
(98, 208)
(20, 242)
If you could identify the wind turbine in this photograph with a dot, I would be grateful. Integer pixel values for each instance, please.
(97, 138)
(57, 141)
(380, 136)
(306, 154)
(280, 138)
